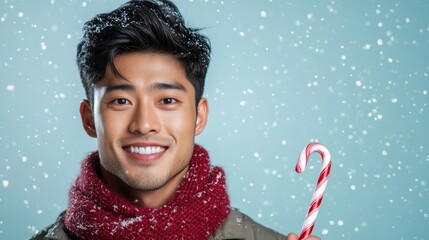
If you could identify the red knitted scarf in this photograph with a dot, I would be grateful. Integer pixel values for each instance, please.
(195, 210)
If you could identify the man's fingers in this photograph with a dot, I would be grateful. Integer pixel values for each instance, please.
(292, 236)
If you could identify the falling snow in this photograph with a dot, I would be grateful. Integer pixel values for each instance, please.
(5, 183)
(10, 88)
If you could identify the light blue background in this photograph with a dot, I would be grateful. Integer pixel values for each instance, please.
(350, 74)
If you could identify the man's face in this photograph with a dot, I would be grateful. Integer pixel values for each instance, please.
(145, 124)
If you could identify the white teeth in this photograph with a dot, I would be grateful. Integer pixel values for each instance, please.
(141, 150)
(146, 150)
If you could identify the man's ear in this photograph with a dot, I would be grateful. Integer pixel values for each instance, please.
(87, 118)
(202, 115)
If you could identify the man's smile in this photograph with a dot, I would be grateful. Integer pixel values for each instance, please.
(145, 150)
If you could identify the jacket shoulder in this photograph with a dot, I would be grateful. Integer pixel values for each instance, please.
(240, 226)
(53, 232)
(236, 226)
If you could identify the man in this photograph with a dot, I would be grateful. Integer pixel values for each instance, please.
(143, 72)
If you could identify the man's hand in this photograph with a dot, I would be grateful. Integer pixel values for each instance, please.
(293, 236)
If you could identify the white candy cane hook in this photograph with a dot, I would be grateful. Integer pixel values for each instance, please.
(316, 200)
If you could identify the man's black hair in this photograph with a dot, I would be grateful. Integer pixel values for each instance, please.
(147, 26)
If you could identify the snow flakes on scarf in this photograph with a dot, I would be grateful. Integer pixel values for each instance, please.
(196, 210)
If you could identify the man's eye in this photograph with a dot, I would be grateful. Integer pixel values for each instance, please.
(121, 101)
(168, 101)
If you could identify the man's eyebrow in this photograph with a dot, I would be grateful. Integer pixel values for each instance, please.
(168, 86)
(124, 87)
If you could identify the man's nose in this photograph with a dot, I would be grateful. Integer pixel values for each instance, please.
(145, 119)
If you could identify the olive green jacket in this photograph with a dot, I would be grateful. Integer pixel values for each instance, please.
(236, 226)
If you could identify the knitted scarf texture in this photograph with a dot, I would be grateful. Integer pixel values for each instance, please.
(195, 211)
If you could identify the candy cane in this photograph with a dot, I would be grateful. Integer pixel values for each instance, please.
(316, 200)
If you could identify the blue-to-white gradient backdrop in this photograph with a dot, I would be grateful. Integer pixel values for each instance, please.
(350, 74)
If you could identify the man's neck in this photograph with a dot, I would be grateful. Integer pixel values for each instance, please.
(145, 198)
